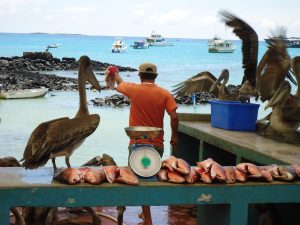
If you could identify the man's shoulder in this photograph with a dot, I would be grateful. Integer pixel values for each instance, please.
(163, 90)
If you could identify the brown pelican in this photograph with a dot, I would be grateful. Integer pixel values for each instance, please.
(278, 102)
(249, 49)
(9, 162)
(198, 83)
(273, 68)
(95, 219)
(60, 137)
(223, 92)
(19, 219)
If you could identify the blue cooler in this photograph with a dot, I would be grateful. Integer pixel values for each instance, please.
(233, 115)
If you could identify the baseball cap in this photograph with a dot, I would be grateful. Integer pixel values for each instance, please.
(148, 68)
(112, 70)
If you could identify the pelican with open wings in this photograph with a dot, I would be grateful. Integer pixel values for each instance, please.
(62, 136)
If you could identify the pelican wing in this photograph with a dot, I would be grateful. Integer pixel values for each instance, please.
(249, 44)
(198, 83)
(37, 137)
(62, 135)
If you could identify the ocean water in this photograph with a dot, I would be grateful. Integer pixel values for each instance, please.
(175, 64)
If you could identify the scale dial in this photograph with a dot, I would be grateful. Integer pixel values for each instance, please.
(145, 161)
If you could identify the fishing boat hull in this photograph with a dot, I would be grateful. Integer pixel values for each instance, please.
(220, 50)
(26, 93)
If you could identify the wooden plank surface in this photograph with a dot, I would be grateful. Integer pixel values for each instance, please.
(247, 144)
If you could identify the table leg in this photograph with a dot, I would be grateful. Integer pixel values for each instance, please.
(239, 214)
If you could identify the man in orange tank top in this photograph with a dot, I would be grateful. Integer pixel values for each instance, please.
(148, 103)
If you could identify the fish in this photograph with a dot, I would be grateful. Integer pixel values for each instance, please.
(183, 167)
(266, 174)
(296, 168)
(206, 164)
(286, 173)
(230, 175)
(109, 77)
(204, 176)
(240, 176)
(192, 177)
(217, 171)
(83, 170)
(170, 163)
(273, 169)
(111, 173)
(163, 175)
(249, 169)
(94, 176)
(175, 177)
(126, 176)
(69, 176)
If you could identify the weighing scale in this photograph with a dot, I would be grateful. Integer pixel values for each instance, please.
(144, 160)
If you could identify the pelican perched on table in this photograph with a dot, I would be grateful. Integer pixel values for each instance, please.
(223, 92)
(62, 136)
(280, 100)
(198, 83)
(249, 49)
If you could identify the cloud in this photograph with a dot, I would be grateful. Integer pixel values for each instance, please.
(79, 9)
(174, 16)
(139, 12)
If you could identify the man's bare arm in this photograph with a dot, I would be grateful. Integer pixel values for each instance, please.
(174, 127)
(118, 78)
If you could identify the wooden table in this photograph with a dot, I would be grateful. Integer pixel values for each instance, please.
(36, 188)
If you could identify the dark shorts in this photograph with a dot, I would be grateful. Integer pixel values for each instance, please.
(160, 150)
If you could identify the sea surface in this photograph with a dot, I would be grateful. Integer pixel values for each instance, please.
(175, 63)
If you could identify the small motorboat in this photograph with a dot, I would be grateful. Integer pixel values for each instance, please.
(221, 46)
(118, 46)
(25, 93)
(53, 45)
(157, 40)
(140, 45)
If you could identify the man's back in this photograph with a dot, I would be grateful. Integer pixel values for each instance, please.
(148, 105)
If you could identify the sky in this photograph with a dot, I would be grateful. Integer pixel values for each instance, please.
(171, 18)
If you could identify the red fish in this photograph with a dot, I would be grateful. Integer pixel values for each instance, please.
(163, 175)
(126, 176)
(230, 175)
(250, 169)
(170, 163)
(206, 164)
(70, 176)
(183, 167)
(83, 170)
(266, 174)
(273, 169)
(296, 167)
(192, 177)
(286, 173)
(110, 173)
(204, 176)
(175, 177)
(94, 176)
(109, 78)
(240, 176)
(217, 172)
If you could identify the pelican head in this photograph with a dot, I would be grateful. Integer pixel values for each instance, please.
(282, 93)
(85, 72)
(223, 76)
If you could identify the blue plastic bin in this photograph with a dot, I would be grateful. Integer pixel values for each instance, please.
(234, 115)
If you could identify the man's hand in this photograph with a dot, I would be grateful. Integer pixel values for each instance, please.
(118, 78)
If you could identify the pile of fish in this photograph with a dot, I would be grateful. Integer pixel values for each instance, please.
(201, 97)
(116, 100)
(178, 171)
(97, 175)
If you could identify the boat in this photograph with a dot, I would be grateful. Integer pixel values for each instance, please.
(118, 46)
(53, 45)
(140, 45)
(157, 40)
(25, 93)
(221, 46)
(211, 41)
(291, 42)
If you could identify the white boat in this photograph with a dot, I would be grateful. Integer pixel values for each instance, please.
(221, 46)
(25, 93)
(157, 40)
(118, 46)
(140, 45)
(53, 45)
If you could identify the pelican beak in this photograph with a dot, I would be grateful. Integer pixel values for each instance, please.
(282, 93)
(224, 75)
(91, 78)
